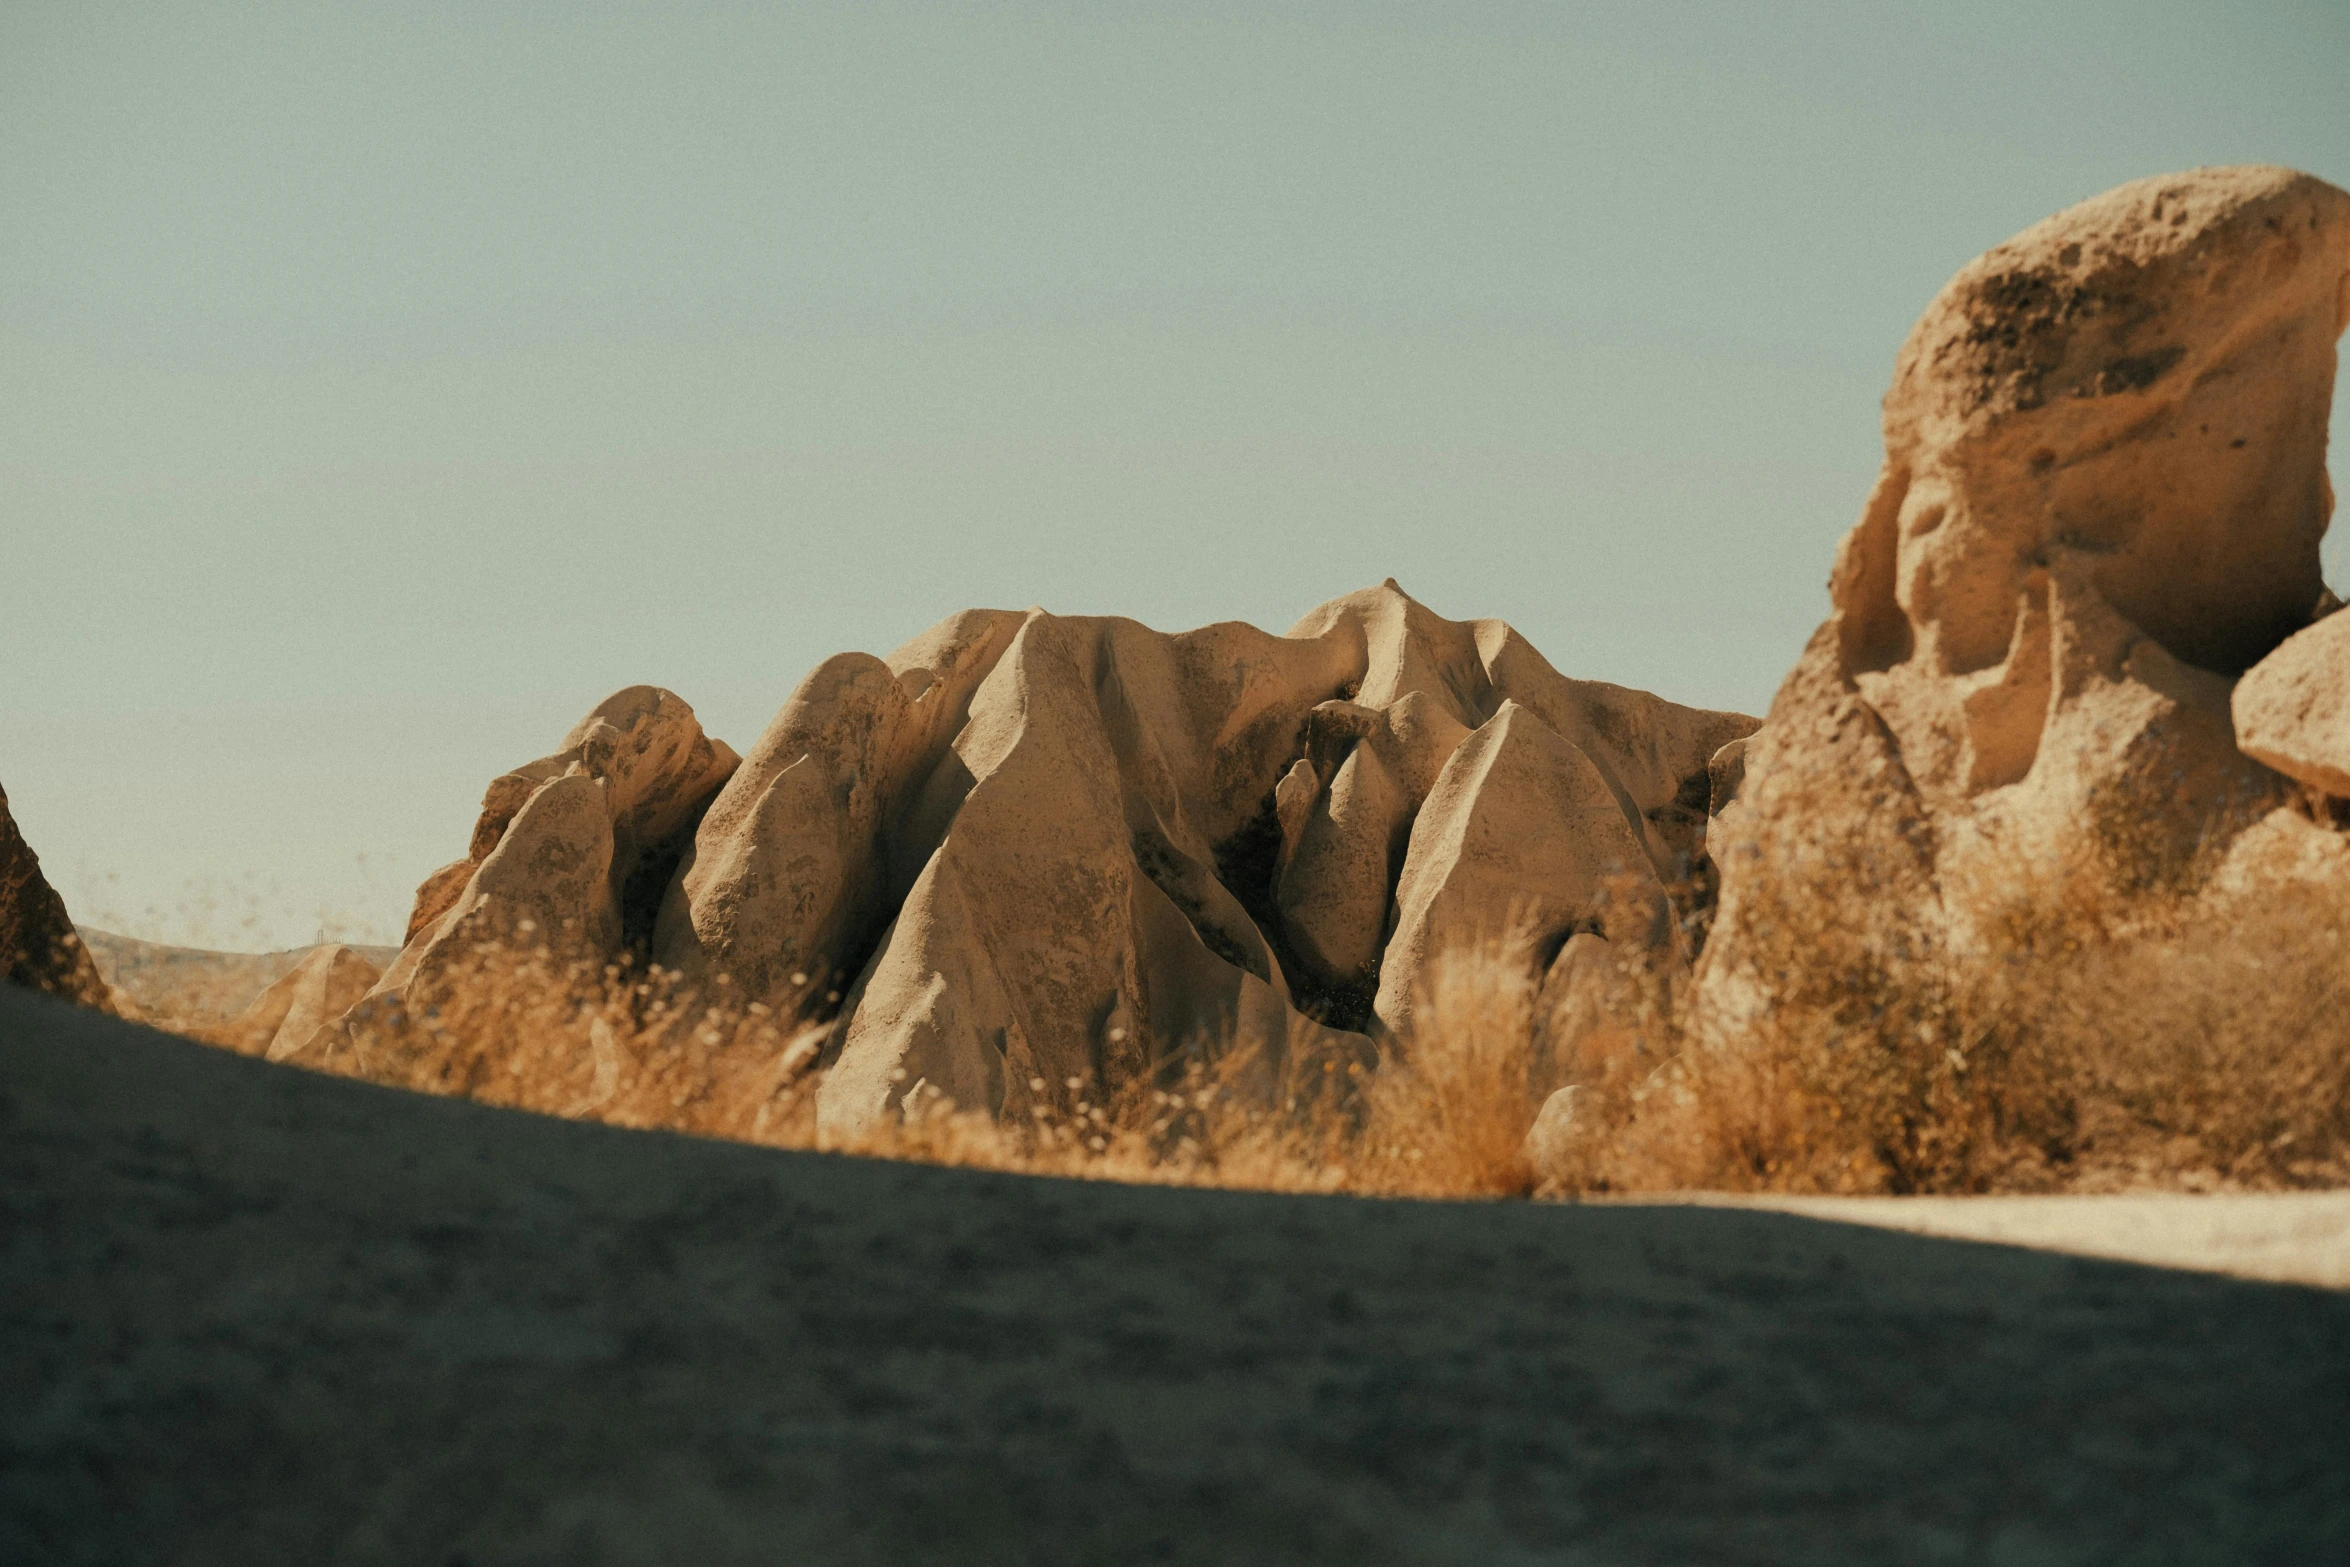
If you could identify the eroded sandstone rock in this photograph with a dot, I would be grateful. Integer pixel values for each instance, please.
(327, 982)
(1135, 841)
(1519, 834)
(2292, 709)
(1029, 858)
(38, 946)
(2102, 499)
(571, 855)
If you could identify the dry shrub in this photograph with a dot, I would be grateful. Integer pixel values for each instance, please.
(1446, 1112)
(2215, 1051)
(2084, 1038)
(2098, 1031)
(515, 1024)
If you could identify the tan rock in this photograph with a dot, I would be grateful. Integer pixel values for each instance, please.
(327, 982)
(2119, 414)
(1550, 1141)
(39, 947)
(807, 851)
(572, 853)
(1437, 679)
(1725, 776)
(1574, 1004)
(1030, 857)
(1122, 842)
(1427, 683)
(548, 885)
(1520, 835)
(2141, 382)
(1334, 888)
(2102, 498)
(660, 771)
(2292, 709)
(438, 893)
(1071, 921)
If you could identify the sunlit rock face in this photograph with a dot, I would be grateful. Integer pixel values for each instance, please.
(328, 981)
(2102, 499)
(1029, 848)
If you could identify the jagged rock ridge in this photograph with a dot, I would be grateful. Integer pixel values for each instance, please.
(1029, 848)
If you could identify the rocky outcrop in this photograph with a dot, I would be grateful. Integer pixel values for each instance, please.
(571, 854)
(1031, 850)
(2101, 502)
(328, 981)
(658, 771)
(38, 945)
(1520, 826)
(1029, 856)
(194, 988)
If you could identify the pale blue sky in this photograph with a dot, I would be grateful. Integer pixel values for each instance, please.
(384, 384)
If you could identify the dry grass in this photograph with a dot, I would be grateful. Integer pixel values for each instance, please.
(2098, 1035)
(2090, 1040)
(519, 1026)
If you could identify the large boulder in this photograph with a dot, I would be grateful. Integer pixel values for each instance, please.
(2101, 502)
(2292, 709)
(38, 945)
(659, 773)
(817, 838)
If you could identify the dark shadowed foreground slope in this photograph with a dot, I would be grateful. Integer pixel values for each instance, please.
(248, 1314)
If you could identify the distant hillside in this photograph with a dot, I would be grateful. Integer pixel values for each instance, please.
(191, 984)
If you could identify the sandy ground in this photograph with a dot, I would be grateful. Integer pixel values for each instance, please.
(252, 1315)
(2284, 1237)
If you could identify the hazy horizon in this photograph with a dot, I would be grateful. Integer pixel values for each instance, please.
(392, 382)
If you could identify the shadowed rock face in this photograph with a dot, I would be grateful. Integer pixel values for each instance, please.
(2103, 494)
(38, 946)
(1026, 848)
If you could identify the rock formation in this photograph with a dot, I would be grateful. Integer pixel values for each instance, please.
(2292, 709)
(327, 982)
(571, 853)
(1029, 854)
(2102, 497)
(38, 946)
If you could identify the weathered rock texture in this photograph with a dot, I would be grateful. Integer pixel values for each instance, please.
(38, 945)
(571, 853)
(1027, 850)
(2292, 710)
(2103, 493)
(327, 982)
